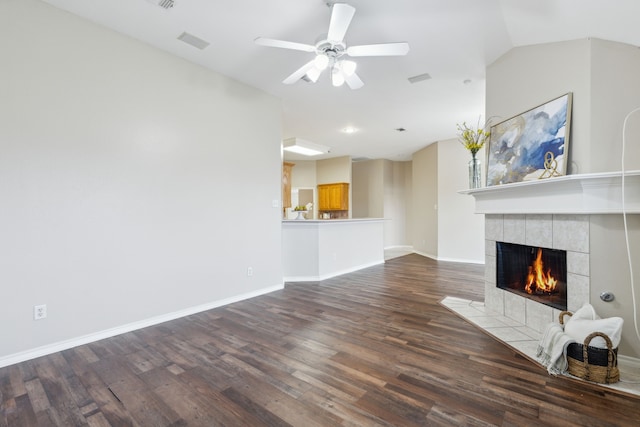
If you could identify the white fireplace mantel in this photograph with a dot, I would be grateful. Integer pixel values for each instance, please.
(594, 193)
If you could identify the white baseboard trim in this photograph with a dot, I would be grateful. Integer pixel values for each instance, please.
(403, 247)
(466, 261)
(108, 333)
(424, 254)
(330, 275)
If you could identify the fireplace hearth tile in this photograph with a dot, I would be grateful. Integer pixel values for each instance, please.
(473, 312)
(538, 315)
(514, 307)
(508, 334)
(458, 301)
(532, 333)
(525, 341)
(509, 322)
(489, 321)
(525, 347)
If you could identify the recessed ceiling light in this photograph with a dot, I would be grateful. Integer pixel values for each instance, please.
(349, 130)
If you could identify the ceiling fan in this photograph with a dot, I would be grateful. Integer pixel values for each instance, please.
(330, 51)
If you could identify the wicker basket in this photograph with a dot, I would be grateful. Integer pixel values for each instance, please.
(595, 364)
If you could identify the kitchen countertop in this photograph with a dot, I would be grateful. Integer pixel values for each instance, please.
(324, 221)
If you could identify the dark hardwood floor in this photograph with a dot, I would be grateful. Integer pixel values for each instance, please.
(369, 348)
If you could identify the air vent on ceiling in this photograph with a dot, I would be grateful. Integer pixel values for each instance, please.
(419, 78)
(192, 40)
(165, 4)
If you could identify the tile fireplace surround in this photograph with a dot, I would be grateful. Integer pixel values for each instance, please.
(552, 213)
(566, 232)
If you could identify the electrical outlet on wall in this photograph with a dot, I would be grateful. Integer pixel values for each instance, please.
(39, 311)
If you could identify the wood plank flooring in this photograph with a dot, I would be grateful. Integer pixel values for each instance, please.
(371, 348)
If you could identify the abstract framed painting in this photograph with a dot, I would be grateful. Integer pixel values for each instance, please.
(532, 145)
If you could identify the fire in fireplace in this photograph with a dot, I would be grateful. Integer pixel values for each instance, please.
(536, 273)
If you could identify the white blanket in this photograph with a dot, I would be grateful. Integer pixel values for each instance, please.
(552, 350)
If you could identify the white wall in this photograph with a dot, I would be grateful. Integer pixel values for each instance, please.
(443, 223)
(397, 192)
(337, 169)
(544, 73)
(368, 189)
(303, 174)
(382, 189)
(406, 175)
(425, 200)
(615, 91)
(610, 272)
(127, 193)
(603, 78)
(460, 231)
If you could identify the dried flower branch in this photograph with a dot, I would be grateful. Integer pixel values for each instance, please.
(473, 139)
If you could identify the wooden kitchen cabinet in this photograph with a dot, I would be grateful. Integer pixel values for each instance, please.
(333, 197)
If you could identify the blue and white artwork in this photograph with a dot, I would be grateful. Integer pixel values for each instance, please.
(532, 145)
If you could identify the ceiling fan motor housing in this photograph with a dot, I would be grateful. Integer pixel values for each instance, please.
(332, 50)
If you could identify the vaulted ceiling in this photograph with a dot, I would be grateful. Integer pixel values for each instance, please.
(451, 40)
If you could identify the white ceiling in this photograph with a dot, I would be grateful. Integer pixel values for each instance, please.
(452, 40)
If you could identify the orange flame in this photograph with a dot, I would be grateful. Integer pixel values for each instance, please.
(537, 280)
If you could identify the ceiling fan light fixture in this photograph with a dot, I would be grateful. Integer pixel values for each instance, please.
(337, 78)
(321, 62)
(328, 51)
(304, 147)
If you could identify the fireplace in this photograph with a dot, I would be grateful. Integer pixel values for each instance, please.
(559, 213)
(533, 272)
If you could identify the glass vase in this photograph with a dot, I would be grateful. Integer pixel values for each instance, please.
(475, 180)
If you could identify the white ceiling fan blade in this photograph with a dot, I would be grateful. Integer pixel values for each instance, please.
(384, 49)
(341, 15)
(297, 75)
(284, 44)
(353, 81)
